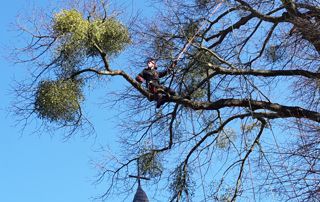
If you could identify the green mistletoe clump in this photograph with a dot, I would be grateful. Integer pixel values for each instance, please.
(150, 164)
(79, 35)
(58, 100)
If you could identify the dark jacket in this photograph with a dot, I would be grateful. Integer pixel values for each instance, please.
(151, 76)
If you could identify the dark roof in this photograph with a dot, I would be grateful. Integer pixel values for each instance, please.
(140, 196)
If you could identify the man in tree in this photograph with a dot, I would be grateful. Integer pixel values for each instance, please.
(152, 79)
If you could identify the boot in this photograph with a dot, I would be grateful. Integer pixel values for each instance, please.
(160, 101)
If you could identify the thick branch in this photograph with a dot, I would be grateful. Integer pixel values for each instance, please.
(265, 73)
(286, 111)
(309, 30)
(281, 110)
(118, 73)
(308, 6)
(265, 17)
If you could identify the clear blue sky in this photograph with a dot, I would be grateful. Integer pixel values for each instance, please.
(42, 168)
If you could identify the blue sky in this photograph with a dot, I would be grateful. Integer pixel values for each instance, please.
(46, 168)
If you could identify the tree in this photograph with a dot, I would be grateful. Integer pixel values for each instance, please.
(251, 69)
